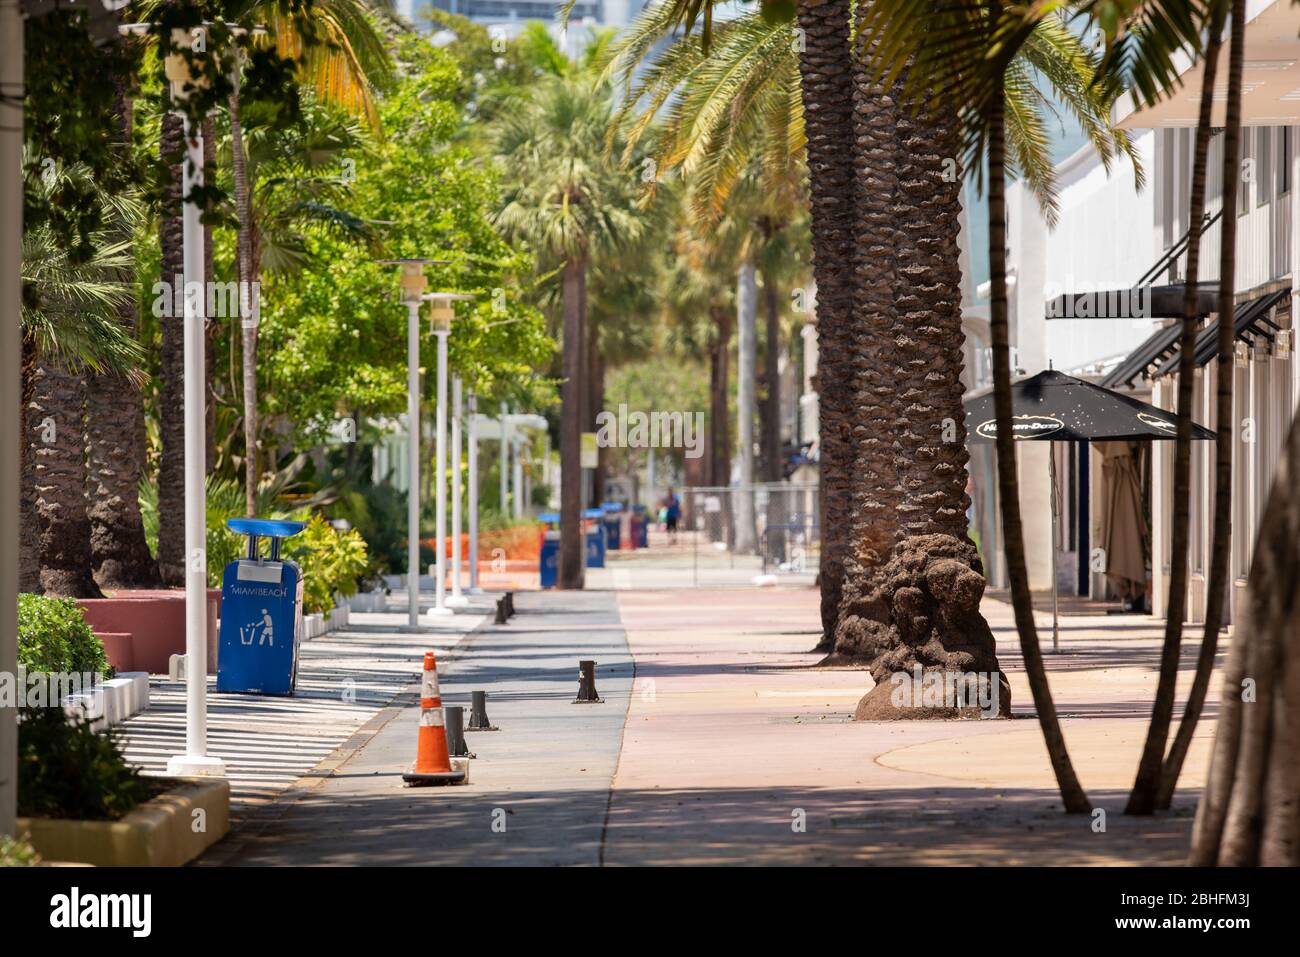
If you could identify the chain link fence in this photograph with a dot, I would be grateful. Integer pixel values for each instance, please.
(738, 532)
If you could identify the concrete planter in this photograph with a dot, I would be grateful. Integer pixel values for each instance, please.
(163, 832)
(368, 601)
(155, 621)
(113, 701)
(313, 626)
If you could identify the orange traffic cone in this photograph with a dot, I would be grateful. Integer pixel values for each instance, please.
(432, 763)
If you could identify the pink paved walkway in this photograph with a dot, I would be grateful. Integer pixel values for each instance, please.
(737, 750)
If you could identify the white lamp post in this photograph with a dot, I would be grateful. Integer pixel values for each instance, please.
(457, 600)
(195, 760)
(440, 317)
(505, 461)
(413, 283)
(473, 496)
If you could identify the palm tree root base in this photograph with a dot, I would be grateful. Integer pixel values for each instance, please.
(920, 610)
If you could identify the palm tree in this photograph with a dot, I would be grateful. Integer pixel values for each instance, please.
(342, 59)
(70, 326)
(115, 435)
(572, 205)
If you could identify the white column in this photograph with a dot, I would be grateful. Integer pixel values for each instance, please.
(11, 233)
(504, 463)
(195, 760)
(517, 480)
(457, 600)
(413, 462)
(472, 468)
(440, 608)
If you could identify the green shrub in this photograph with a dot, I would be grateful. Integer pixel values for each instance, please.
(67, 770)
(331, 562)
(53, 636)
(17, 853)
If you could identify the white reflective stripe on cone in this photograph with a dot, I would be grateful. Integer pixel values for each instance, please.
(429, 685)
(431, 718)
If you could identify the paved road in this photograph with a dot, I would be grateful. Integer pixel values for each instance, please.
(539, 787)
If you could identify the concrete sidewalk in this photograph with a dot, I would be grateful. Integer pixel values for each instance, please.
(539, 788)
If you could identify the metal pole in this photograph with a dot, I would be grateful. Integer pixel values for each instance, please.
(195, 760)
(11, 234)
(517, 480)
(440, 483)
(473, 495)
(457, 600)
(413, 462)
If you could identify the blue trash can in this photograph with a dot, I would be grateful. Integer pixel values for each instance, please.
(613, 520)
(594, 519)
(549, 559)
(640, 527)
(261, 614)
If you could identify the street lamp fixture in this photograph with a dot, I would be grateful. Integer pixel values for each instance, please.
(413, 283)
(441, 315)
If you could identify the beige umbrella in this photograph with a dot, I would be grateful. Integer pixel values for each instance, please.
(1124, 533)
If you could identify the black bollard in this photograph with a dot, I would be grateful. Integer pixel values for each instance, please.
(587, 684)
(501, 612)
(478, 719)
(510, 604)
(455, 720)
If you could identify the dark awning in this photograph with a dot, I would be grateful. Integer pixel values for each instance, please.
(1155, 348)
(1140, 302)
(1251, 319)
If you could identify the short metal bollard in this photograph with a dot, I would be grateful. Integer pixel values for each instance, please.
(501, 612)
(587, 684)
(478, 718)
(456, 746)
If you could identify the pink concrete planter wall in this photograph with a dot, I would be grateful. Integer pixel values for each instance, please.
(117, 648)
(155, 620)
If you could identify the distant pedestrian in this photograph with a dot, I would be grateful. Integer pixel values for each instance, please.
(672, 510)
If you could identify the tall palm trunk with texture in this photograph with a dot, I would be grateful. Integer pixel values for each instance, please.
(115, 434)
(29, 527)
(719, 387)
(827, 85)
(59, 406)
(171, 406)
(771, 412)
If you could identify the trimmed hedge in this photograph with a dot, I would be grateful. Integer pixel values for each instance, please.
(53, 636)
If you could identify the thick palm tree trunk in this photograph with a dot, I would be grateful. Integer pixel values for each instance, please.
(59, 406)
(1140, 800)
(572, 546)
(771, 411)
(248, 273)
(171, 410)
(212, 324)
(115, 435)
(1072, 793)
(827, 84)
(595, 404)
(1249, 813)
(719, 387)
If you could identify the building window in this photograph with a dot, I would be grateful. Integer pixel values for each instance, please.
(1284, 160)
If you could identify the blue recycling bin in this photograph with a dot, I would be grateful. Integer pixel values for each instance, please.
(261, 614)
(639, 527)
(594, 518)
(613, 520)
(549, 559)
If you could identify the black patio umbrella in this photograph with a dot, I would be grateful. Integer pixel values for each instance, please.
(1054, 407)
